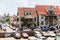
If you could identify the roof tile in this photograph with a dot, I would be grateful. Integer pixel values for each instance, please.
(22, 10)
(42, 9)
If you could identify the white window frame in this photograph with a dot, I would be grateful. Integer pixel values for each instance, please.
(27, 12)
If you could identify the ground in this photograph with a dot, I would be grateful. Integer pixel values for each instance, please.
(11, 38)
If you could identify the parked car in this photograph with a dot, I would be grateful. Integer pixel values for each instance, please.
(42, 38)
(52, 28)
(17, 35)
(27, 29)
(57, 27)
(44, 28)
(37, 34)
(57, 31)
(3, 28)
(52, 33)
(25, 35)
(51, 38)
(11, 27)
(14, 28)
(45, 34)
(32, 38)
(9, 32)
(37, 29)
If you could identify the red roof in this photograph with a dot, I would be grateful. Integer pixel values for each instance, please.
(42, 9)
(22, 10)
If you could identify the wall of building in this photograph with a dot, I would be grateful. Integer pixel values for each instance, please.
(58, 20)
(42, 18)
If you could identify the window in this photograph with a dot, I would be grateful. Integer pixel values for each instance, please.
(22, 19)
(35, 19)
(59, 16)
(30, 20)
(46, 22)
(17, 19)
(50, 10)
(46, 17)
(27, 13)
(42, 16)
(42, 23)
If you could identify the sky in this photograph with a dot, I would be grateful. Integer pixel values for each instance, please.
(11, 6)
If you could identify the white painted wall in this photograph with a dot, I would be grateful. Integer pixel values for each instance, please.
(41, 20)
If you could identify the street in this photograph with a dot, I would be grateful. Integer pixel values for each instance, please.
(12, 38)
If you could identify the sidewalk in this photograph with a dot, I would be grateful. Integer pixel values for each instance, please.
(10, 38)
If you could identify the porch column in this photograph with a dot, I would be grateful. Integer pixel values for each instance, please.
(20, 22)
(36, 22)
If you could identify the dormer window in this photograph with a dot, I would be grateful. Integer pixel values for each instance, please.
(50, 10)
(27, 12)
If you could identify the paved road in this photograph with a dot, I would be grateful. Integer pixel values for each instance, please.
(21, 39)
(11, 38)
